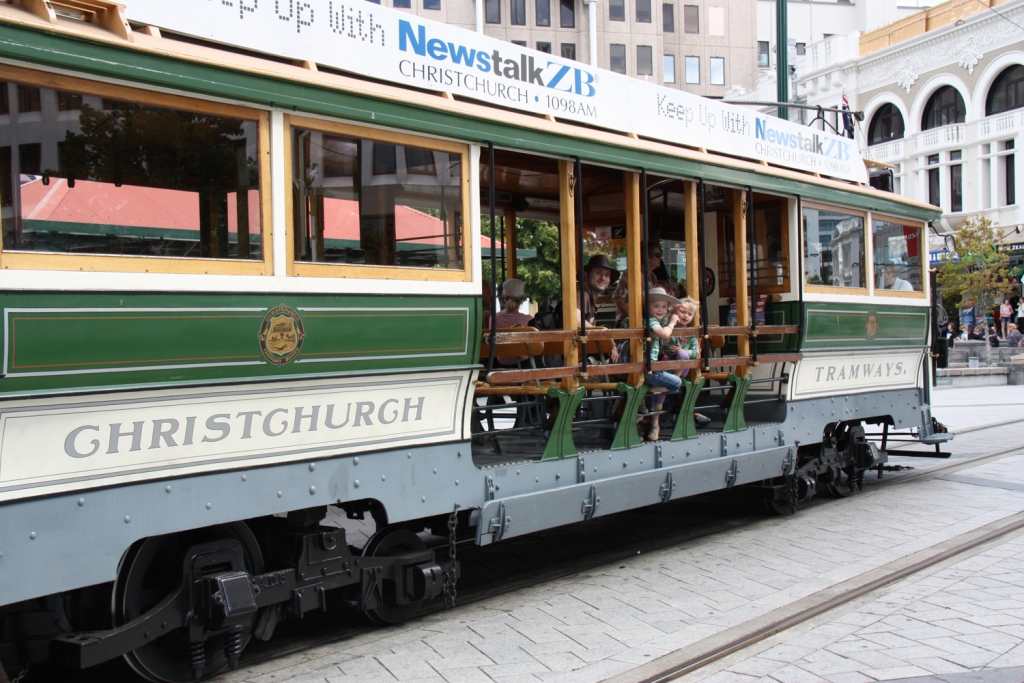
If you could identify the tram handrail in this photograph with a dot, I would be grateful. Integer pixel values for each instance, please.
(632, 333)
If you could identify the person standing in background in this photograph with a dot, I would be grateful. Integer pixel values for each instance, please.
(1005, 316)
(1020, 315)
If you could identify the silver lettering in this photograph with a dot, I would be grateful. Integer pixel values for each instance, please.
(364, 409)
(329, 421)
(164, 429)
(409, 406)
(247, 427)
(116, 434)
(218, 423)
(266, 422)
(299, 417)
(69, 442)
(380, 413)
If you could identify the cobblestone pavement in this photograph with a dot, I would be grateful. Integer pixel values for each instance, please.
(616, 622)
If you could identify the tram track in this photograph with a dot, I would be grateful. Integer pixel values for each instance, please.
(527, 561)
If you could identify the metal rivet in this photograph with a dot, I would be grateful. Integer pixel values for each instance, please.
(312, 466)
(595, 469)
(460, 454)
(456, 482)
(280, 493)
(312, 490)
(557, 475)
(245, 477)
(32, 535)
(408, 455)
(1, 554)
(641, 462)
(517, 472)
(127, 519)
(356, 483)
(497, 487)
(209, 505)
(435, 470)
(81, 502)
(167, 488)
(355, 461)
(423, 499)
(537, 479)
(625, 465)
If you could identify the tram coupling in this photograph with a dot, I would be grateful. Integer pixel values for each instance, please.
(219, 601)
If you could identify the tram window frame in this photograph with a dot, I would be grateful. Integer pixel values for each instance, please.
(866, 250)
(921, 251)
(131, 263)
(371, 271)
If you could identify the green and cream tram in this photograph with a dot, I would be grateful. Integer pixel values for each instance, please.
(242, 284)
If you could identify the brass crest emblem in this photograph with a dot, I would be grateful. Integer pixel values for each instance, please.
(281, 335)
(871, 328)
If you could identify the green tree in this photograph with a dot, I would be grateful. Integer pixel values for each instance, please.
(977, 271)
(541, 275)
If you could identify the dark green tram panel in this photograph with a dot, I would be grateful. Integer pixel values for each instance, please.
(66, 341)
(834, 326)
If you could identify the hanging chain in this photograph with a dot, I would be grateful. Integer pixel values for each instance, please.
(448, 586)
(17, 679)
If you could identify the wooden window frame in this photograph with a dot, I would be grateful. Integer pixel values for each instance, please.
(787, 279)
(921, 247)
(116, 263)
(364, 271)
(867, 265)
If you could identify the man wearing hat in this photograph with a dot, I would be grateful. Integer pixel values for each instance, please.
(598, 275)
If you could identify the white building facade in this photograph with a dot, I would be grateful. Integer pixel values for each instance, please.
(944, 107)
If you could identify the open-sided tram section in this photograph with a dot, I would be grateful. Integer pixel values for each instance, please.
(243, 253)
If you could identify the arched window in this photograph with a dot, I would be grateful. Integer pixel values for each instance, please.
(944, 107)
(886, 125)
(1007, 92)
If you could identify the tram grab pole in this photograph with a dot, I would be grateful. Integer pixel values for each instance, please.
(494, 308)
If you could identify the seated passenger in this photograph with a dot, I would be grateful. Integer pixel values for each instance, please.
(513, 293)
(678, 348)
(891, 281)
(599, 274)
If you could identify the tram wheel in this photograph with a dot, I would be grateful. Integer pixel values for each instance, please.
(149, 572)
(388, 543)
(845, 484)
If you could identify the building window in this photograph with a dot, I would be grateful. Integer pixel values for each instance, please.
(833, 248)
(67, 101)
(617, 10)
(569, 51)
(956, 175)
(568, 17)
(28, 99)
(801, 49)
(403, 4)
(492, 11)
(693, 70)
(668, 18)
(718, 71)
(544, 47)
(30, 158)
(643, 11)
(617, 58)
(716, 21)
(520, 43)
(886, 125)
(432, 4)
(691, 19)
(934, 188)
(763, 54)
(1007, 91)
(669, 68)
(644, 60)
(517, 12)
(944, 107)
(1010, 174)
(543, 11)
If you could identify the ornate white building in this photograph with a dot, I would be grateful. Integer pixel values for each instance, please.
(942, 92)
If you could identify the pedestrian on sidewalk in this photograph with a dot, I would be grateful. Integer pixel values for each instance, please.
(1014, 338)
(1020, 315)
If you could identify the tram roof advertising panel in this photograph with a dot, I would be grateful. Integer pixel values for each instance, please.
(382, 43)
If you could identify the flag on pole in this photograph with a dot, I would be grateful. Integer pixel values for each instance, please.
(847, 117)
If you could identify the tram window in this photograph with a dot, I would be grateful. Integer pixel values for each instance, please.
(768, 254)
(5, 100)
(374, 202)
(833, 248)
(897, 252)
(117, 177)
